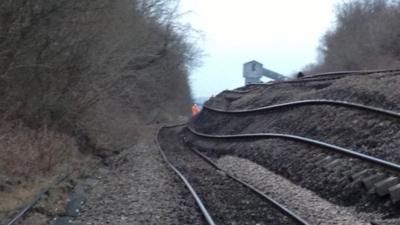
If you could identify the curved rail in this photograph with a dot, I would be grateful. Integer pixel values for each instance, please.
(276, 204)
(309, 102)
(237, 91)
(303, 80)
(38, 196)
(327, 76)
(354, 72)
(203, 209)
(311, 79)
(386, 164)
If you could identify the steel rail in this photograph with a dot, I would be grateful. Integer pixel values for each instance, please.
(353, 72)
(327, 76)
(199, 202)
(303, 80)
(308, 102)
(337, 149)
(37, 197)
(276, 204)
(311, 79)
(237, 91)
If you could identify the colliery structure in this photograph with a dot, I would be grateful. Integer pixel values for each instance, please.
(253, 71)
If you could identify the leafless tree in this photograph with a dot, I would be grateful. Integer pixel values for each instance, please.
(60, 60)
(366, 36)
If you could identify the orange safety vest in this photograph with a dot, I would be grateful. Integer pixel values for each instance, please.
(195, 110)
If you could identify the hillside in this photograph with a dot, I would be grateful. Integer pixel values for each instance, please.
(81, 81)
(302, 164)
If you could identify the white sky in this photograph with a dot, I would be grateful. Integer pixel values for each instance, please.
(283, 35)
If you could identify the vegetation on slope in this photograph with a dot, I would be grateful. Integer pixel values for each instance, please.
(86, 76)
(366, 36)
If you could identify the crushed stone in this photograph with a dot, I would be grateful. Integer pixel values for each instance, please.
(304, 202)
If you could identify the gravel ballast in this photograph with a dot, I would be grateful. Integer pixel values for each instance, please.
(299, 163)
(304, 202)
(228, 201)
(140, 189)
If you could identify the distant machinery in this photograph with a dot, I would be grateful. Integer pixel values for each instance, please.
(253, 71)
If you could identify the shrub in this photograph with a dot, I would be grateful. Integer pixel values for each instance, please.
(27, 152)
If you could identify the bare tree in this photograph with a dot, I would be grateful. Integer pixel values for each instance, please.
(366, 36)
(62, 59)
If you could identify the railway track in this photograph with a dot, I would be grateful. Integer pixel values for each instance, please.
(320, 77)
(328, 76)
(378, 176)
(196, 197)
(230, 200)
(384, 183)
(309, 102)
(238, 91)
(354, 72)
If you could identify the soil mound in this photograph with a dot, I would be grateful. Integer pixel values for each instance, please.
(356, 129)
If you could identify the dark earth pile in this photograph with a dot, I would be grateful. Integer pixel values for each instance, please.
(359, 130)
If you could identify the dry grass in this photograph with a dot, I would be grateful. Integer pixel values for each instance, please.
(28, 152)
(31, 159)
(19, 195)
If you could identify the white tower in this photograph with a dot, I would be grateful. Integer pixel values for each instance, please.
(253, 71)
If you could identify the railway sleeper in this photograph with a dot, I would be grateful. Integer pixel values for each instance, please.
(369, 181)
(352, 169)
(382, 187)
(394, 192)
(325, 160)
(361, 174)
(317, 157)
(372, 180)
(333, 164)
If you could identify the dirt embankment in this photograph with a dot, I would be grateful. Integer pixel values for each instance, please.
(366, 132)
(360, 130)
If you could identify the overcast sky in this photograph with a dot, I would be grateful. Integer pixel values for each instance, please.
(283, 35)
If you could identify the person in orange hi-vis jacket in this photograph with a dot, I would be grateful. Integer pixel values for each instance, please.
(195, 110)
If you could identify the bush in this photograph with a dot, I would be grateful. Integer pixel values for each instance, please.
(28, 152)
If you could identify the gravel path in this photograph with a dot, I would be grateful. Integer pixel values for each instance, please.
(141, 189)
(304, 202)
